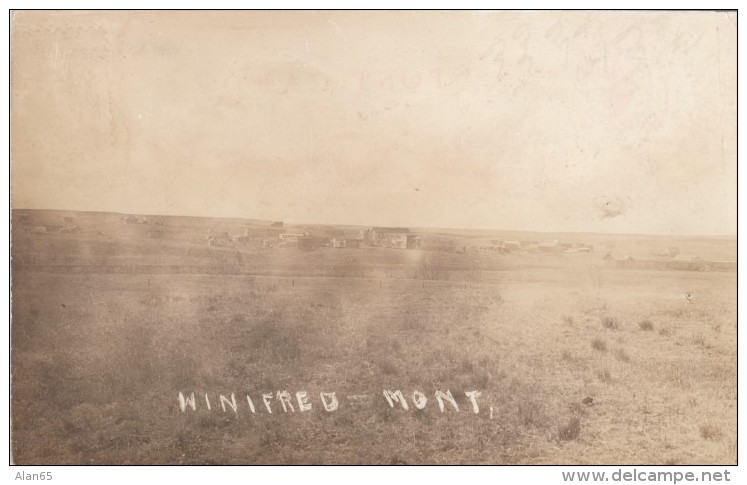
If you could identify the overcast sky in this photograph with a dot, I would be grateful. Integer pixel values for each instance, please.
(557, 121)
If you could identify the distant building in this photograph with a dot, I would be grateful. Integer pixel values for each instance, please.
(130, 220)
(339, 242)
(580, 249)
(334, 233)
(608, 256)
(220, 238)
(69, 229)
(290, 238)
(155, 234)
(387, 237)
(68, 220)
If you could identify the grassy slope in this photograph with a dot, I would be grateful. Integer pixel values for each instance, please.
(98, 360)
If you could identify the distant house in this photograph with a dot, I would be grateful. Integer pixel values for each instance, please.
(580, 249)
(130, 220)
(290, 238)
(69, 229)
(388, 237)
(155, 234)
(220, 238)
(413, 241)
(339, 242)
(608, 256)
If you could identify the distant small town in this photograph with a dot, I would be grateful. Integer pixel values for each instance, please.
(277, 235)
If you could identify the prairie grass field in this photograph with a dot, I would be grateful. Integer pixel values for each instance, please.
(576, 362)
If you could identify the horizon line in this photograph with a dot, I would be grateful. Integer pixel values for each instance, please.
(293, 223)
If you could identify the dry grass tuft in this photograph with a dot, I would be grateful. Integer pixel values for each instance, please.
(646, 325)
(666, 332)
(621, 355)
(710, 432)
(570, 431)
(610, 323)
(599, 344)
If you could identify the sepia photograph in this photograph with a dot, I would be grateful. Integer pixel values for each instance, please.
(373, 237)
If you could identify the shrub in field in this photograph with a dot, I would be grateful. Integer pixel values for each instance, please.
(710, 432)
(646, 325)
(570, 431)
(530, 413)
(610, 323)
(599, 344)
(432, 267)
(700, 341)
(666, 332)
(622, 355)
